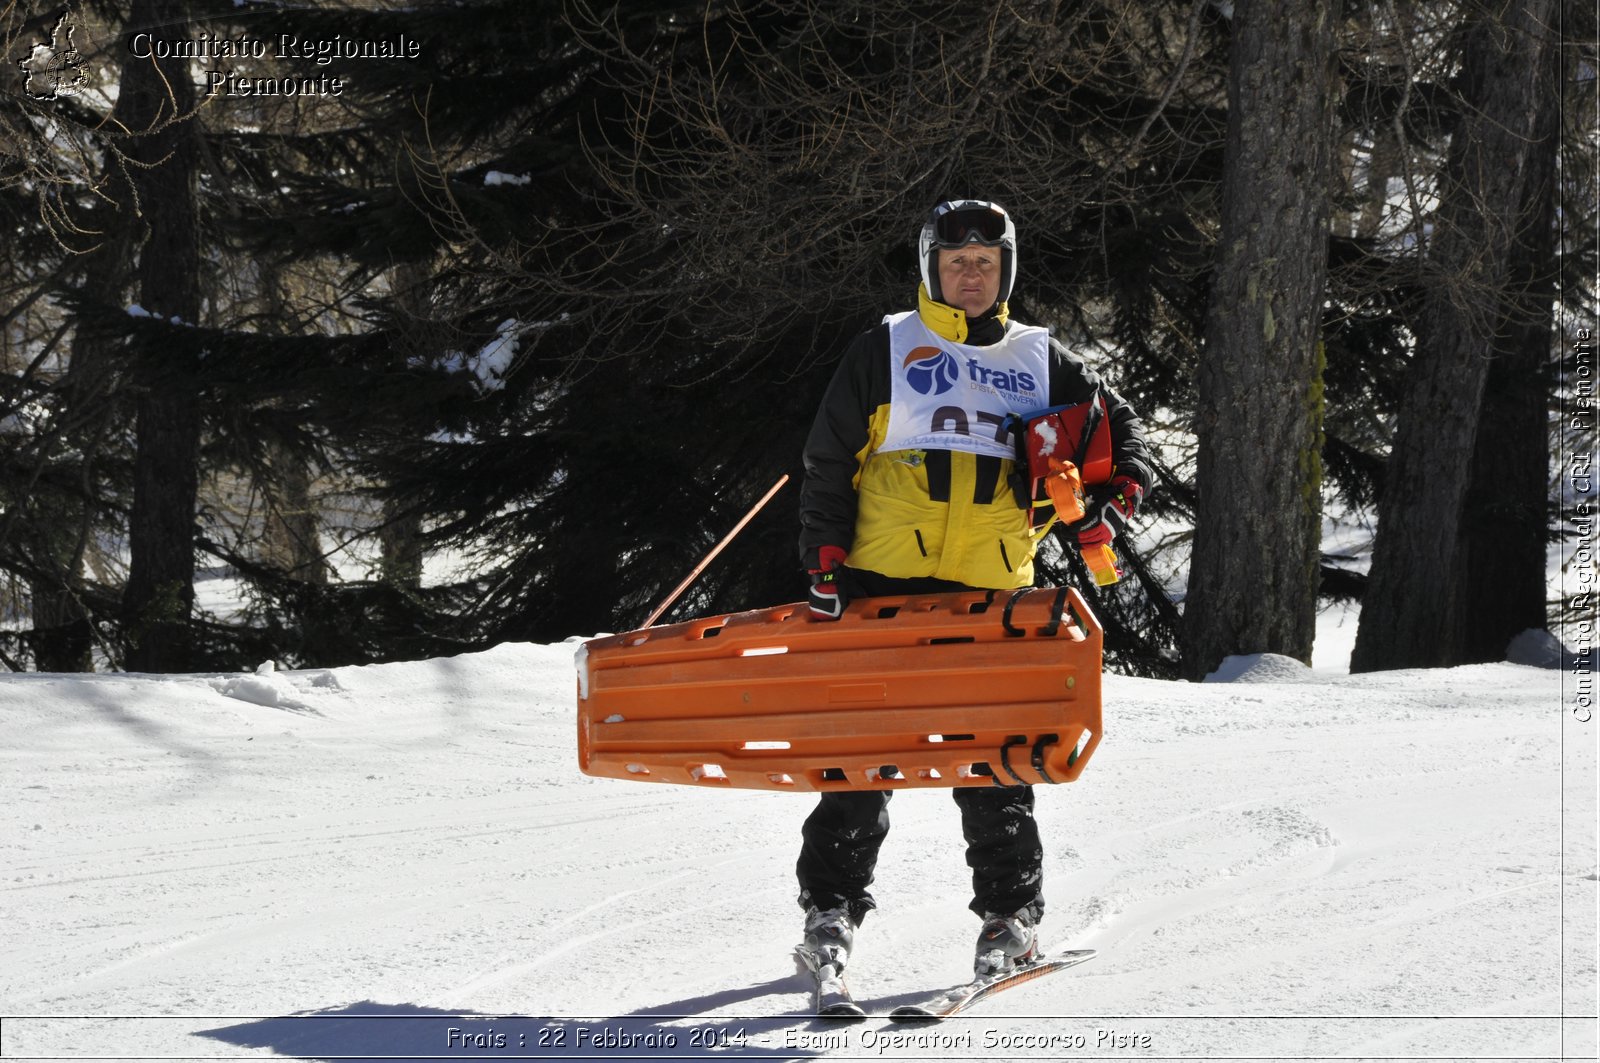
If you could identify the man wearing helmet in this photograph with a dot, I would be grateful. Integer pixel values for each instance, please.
(910, 487)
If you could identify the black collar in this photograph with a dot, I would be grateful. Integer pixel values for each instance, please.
(985, 331)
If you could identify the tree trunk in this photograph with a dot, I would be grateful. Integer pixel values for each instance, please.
(159, 596)
(1384, 162)
(1415, 609)
(291, 539)
(400, 533)
(1506, 514)
(291, 532)
(400, 551)
(61, 637)
(1253, 575)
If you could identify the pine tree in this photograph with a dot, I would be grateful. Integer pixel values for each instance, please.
(1506, 512)
(1414, 612)
(1254, 574)
(155, 104)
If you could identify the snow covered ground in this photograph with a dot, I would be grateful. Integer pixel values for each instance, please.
(403, 861)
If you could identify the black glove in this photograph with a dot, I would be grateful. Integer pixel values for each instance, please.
(827, 599)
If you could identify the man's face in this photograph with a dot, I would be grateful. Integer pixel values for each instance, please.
(970, 277)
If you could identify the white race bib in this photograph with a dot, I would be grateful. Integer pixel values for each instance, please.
(952, 396)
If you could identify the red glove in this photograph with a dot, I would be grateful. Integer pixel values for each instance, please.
(826, 600)
(1096, 534)
(1110, 510)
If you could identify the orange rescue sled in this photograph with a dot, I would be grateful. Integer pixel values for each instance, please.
(975, 688)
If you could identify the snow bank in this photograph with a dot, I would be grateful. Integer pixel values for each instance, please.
(1260, 668)
(1540, 649)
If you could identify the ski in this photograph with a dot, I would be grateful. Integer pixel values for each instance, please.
(832, 999)
(955, 1001)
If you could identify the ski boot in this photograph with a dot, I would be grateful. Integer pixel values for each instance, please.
(1005, 943)
(829, 933)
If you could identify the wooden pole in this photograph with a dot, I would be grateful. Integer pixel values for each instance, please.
(715, 550)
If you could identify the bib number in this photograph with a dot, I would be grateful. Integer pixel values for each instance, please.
(953, 419)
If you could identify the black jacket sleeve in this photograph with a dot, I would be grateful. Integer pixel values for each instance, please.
(838, 435)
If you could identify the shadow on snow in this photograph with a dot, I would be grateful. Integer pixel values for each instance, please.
(394, 1032)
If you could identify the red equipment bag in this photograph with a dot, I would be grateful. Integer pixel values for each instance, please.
(1064, 448)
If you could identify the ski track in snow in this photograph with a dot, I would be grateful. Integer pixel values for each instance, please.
(1289, 864)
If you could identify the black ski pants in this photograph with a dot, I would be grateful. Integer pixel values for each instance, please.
(842, 836)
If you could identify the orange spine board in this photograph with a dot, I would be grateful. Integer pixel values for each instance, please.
(972, 688)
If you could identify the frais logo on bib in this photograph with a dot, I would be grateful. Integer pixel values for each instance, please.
(931, 371)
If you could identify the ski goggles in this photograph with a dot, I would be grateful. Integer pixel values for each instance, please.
(966, 225)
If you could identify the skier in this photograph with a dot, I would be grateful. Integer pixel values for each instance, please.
(910, 488)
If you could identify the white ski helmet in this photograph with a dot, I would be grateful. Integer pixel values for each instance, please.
(956, 223)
